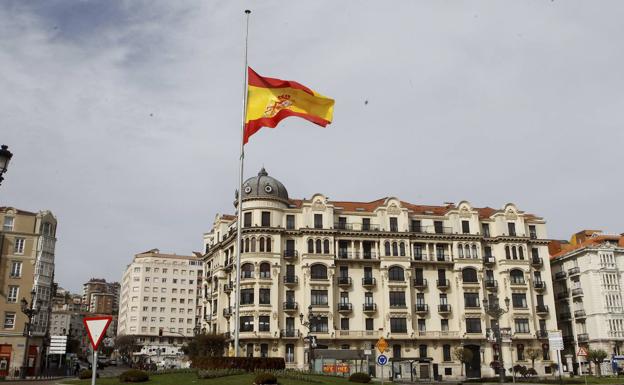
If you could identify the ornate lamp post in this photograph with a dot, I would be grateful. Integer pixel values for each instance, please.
(311, 317)
(30, 312)
(5, 157)
(496, 312)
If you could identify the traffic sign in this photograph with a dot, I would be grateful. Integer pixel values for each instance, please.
(381, 345)
(582, 352)
(96, 329)
(555, 339)
(382, 359)
(58, 345)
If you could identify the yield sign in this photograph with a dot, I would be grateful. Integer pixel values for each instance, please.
(96, 328)
(582, 352)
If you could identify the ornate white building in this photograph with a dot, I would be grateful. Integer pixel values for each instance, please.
(414, 274)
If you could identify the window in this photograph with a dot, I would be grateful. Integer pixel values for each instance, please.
(522, 325)
(246, 323)
(446, 352)
(397, 299)
(466, 227)
(444, 325)
(12, 294)
(473, 325)
(511, 227)
(344, 324)
(9, 320)
(416, 228)
(319, 325)
(318, 271)
(516, 276)
(249, 350)
(264, 323)
(247, 271)
(366, 224)
(290, 353)
(370, 324)
(326, 246)
(471, 299)
(8, 224)
(469, 275)
(266, 219)
(319, 297)
(422, 351)
(396, 273)
(398, 325)
(264, 350)
(486, 229)
(532, 232)
(265, 296)
(310, 246)
(520, 351)
(16, 269)
(519, 300)
(290, 222)
(422, 325)
(387, 248)
(247, 220)
(394, 225)
(318, 221)
(265, 270)
(507, 253)
(437, 227)
(247, 296)
(19, 245)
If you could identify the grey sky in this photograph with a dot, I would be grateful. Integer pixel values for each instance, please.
(124, 117)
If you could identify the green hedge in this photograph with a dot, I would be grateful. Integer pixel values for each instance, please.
(360, 377)
(216, 373)
(85, 373)
(248, 364)
(133, 375)
(265, 379)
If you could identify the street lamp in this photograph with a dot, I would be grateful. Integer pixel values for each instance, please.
(30, 312)
(5, 157)
(496, 312)
(311, 317)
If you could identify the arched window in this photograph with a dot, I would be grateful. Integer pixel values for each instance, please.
(268, 244)
(326, 246)
(475, 254)
(460, 251)
(516, 276)
(395, 249)
(467, 251)
(318, 246)
(514, 252)
(261, 244)
(396, 273)
(247, 270)
(402, 249)
(265, 270)
(521, 252)
(253, 245)
(507, 253)
(310, 246)
(469, 275)
(318, 271)
(247, 245)
(387, 248)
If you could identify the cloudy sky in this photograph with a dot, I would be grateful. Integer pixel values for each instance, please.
(124, 116)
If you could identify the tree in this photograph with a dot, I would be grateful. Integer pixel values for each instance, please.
(205, 345)
(533, 354)
(597, 356)
(126, 345)
(464, 356)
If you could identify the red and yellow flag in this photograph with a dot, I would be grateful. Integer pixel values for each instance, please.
(271, 100)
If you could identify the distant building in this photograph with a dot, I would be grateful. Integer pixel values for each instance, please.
(27, 244)
(587, 274)
(159, 298)
(66, 319)
(103, 304)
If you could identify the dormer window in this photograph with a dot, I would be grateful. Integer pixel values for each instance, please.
(511, 227)
(8, 224)
(394, 225)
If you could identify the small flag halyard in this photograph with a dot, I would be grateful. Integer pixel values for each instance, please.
(271, 100)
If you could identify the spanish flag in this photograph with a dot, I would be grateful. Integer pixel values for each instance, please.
(271, 100)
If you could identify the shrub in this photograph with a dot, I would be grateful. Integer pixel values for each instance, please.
(248, 364)
(531, 372)
(216, 373)
(265, 378)
(85, 373)
(360, 377)
(133, 375)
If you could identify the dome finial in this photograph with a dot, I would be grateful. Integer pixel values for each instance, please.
(263, 172)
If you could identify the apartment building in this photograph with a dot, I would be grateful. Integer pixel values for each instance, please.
(27, 243)
(348, 273)
(106, 295)
(587, 275)
(159, 298)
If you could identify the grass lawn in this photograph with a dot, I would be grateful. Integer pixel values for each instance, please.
(191, 378)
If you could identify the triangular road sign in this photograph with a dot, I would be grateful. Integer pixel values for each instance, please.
(96, 329)
(582, 352)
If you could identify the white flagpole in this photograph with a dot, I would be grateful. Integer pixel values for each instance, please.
(240, 197)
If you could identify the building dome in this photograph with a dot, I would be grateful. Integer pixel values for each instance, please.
(264, 187)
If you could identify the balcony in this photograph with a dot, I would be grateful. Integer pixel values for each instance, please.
(562, 294)
(541, 334)
(537, 261)
(442, 230)
(374, 334)
(444, 308)
(355, 255)
(489, 260)
(576, 292)
(443, 284)
(369, 282)
(578, 314)
(356, 226)
(289, 333)
(517, 281)
(560, 275)
(344, 281)
(491, 284)
(290, 254)
(442, 257)
(291, 280)
(369, 307)
(290, 306)
(574, 271)
(229, 265)
(539, 285)
(566, 315)
(228, 287)
(345, 307)
(541, 309)
(583, 337)
(420, 283)
(319, 278)
(421, 309)
(227, 312)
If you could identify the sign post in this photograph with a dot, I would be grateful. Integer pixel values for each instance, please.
(582, 352)
(555, 340)
(96, 329)
(382, 359)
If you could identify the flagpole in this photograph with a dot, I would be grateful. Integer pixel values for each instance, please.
(239, 224)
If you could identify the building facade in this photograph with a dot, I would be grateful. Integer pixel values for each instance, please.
(348, 273)
(27, 244)
(587, 276)
(106, 295)
(159, 298)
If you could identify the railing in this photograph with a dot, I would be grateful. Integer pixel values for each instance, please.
(539, 284)
(491, 284)
(289, 333)
(343, 254)
(444, 308)
(489, 260)
(345, 306)
(579, 313)
(537, 261)
(359, 333)
(562, 294)
(369, 307)
(319, 278)
(398, 305)
(542, 334)
(344, 281)
(574, 271)
(247, 275)
(290, 305)
(420, 282)
(583, 337)
(517, 281)
(442, 283)
(560, 275)
(290, 254)
(356, 226)
(577, 291)
(421, 308)
(291, 279)
(438, 334)
(431, 229)
(228, 287)
(369, 281)
(541, 309)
